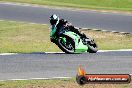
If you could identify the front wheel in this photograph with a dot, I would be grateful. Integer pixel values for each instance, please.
(92, 47)
(66, 44)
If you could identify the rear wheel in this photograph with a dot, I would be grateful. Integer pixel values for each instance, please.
(66, 44)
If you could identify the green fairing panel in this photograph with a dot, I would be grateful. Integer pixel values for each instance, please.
(79, 47)
(53, 31)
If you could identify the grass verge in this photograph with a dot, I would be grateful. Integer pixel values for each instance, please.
(117, 5)
(57, 83)
(16, 37)
(109, 40)
(24, 38)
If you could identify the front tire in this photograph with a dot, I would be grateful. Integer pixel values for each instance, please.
(92, 47)
(68, 47)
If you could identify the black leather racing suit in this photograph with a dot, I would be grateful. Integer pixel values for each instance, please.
(61, 26)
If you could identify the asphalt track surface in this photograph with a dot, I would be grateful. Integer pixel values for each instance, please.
(80, 18)
(42, 65)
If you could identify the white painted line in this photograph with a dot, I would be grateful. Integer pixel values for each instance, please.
(62, 77)
(3, 54)
(2, 20)
(23, 22)
(105, 30)
(41, 78)
(38, 78)
(115, 50)
(98, 51)
(54, 52)
(96, 29)
(130, 74)
(64, 52)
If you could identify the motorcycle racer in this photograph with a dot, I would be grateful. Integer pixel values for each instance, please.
(60, 25)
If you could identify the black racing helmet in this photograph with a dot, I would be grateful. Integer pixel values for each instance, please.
(54, 19)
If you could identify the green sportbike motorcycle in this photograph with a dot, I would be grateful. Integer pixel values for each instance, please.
(70, 42)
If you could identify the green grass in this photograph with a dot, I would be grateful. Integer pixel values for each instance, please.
(121, 5)
(57, 83)
(25, 37)
(19, 37)
(109, 41)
